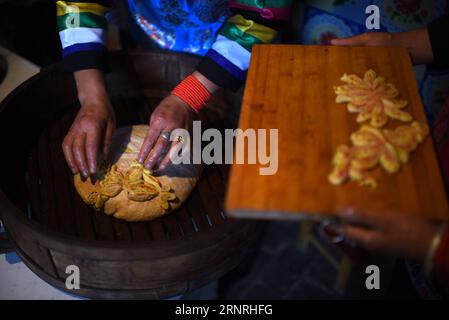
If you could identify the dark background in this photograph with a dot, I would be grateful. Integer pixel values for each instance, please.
(28, 27)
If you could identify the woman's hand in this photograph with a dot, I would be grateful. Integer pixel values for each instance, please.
(92, 129)
(417, 42)
(405, 235)
(172, 113)
(370, 39)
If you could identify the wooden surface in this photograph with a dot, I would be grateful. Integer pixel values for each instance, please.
(291, 88)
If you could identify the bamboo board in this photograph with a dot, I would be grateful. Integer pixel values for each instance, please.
(290, 87)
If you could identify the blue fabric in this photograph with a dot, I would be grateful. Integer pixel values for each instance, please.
(328, 19)
(180, 25)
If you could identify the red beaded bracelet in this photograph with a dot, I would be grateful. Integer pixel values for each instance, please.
(192, 92)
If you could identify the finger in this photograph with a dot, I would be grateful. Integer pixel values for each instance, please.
(92, 147)
(150, 139)
(79, 153)
(159, 148)
(107, 139)
(358, 40)
(367, 238)
(67, 149)
(166, 160)
(365, 218)
(179, 149)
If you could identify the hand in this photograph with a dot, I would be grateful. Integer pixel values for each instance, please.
(369, 39)
(93, 126)
(91, 130)
(172, 113)
(417, 42)
(405, 235)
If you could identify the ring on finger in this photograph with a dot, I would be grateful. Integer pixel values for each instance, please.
(332, 231)
(165, 135)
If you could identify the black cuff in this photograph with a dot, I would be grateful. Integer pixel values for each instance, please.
(438, 34)
(215, 73)
(86, 60)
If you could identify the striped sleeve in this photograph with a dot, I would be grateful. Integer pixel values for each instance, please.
(252, 22)
(82, 28)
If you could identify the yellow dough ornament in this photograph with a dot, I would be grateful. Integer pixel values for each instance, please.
(372, 98)
(371, 147)
(128, 191)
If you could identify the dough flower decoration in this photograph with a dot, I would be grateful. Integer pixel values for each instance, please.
(139, 184)
(109, 187)
(371, 147)
(405, 139)
(126, 190)
(372, 98)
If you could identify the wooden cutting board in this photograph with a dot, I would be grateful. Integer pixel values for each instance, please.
(290, 87)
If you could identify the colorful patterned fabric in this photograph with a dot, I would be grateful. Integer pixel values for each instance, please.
(325, 20)
(221, 31)
(185, 26)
